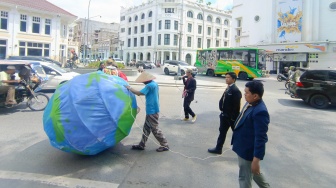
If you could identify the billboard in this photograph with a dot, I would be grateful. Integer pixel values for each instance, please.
(289, 20)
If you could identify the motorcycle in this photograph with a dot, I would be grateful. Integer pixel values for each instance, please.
(281, 77)
(37, 101)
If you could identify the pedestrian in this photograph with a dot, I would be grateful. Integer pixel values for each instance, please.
(250, 136)
(101, 66)
(151, 91)
(188, 95)
(229, 105)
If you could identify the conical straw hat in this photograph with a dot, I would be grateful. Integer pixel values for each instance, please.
(144, 77)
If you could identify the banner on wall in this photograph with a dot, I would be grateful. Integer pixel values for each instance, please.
(296, 48)
(289, 20)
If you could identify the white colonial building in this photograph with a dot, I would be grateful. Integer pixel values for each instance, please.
(34, 28)
(294, 32)
(153, 30)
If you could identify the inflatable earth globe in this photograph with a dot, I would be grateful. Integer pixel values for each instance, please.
(89, 113)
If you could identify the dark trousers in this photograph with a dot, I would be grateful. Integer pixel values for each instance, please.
(225, 124)
(187, 109)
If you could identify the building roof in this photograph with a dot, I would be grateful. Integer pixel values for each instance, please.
(41, 5)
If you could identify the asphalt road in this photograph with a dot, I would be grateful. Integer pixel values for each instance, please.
(300, 151)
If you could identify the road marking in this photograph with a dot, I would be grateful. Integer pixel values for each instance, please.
(55, 180)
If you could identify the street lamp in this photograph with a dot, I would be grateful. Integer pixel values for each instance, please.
(181, 30)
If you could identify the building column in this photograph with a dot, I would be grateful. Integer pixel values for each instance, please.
(171, 55)
(162, 57)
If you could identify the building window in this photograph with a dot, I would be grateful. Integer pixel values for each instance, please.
(208, 43)
(142, 41)
(189, 27)
(226, 22)
(4, 20)
(128, 42)
(167, 24)
(150, 14)
(36, 24)
(3, 47)
(175, 40)
(129, 31)
(225, 43)
(122, 18)
(34, 49)
(209, 30)
(189, 41)
(135, 40)
(159, 39)
(226, 33)
(239, 23)
(47, 27)
(199, 43)
(142, 28)
(64, 32)
(122, 30)
(167, 39)
(149, 41)
(149, 27)
(199, 29)
(209, 19)
(218, 20)
(238, 32)
(160, 23)
(190, 14)
(169, 10)
(199, 16)
(217, 32)
(217, 43)
(135, 29)
(136, 18)
(129, 19)
(176, 25)
(23, 23)
(142, 16)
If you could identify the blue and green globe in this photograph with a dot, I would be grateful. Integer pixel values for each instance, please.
(89, 113)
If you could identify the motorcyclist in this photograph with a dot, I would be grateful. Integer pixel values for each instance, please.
(285, 71)
(6, 85)
(291, 72)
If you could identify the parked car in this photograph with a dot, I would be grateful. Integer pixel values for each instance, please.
(317, 87)
(35, 58)
(171, 66)
(118, 60)
(56, 75)
(144, 64)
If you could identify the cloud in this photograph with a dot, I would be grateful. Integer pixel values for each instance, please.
(109, 10)
(222, 4)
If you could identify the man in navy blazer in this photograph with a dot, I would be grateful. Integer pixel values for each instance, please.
(250, 136)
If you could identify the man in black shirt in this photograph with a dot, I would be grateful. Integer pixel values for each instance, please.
(229, 105)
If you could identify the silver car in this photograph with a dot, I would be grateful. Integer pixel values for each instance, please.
(56, 75)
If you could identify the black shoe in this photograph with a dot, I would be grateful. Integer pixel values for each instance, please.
(215, 150)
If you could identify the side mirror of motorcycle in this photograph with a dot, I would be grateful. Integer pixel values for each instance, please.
(53, 73)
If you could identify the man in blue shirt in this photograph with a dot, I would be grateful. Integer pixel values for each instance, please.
(151, 92)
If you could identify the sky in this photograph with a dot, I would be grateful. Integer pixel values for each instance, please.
(109, 10)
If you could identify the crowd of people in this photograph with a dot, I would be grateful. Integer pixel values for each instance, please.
(249, 126)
